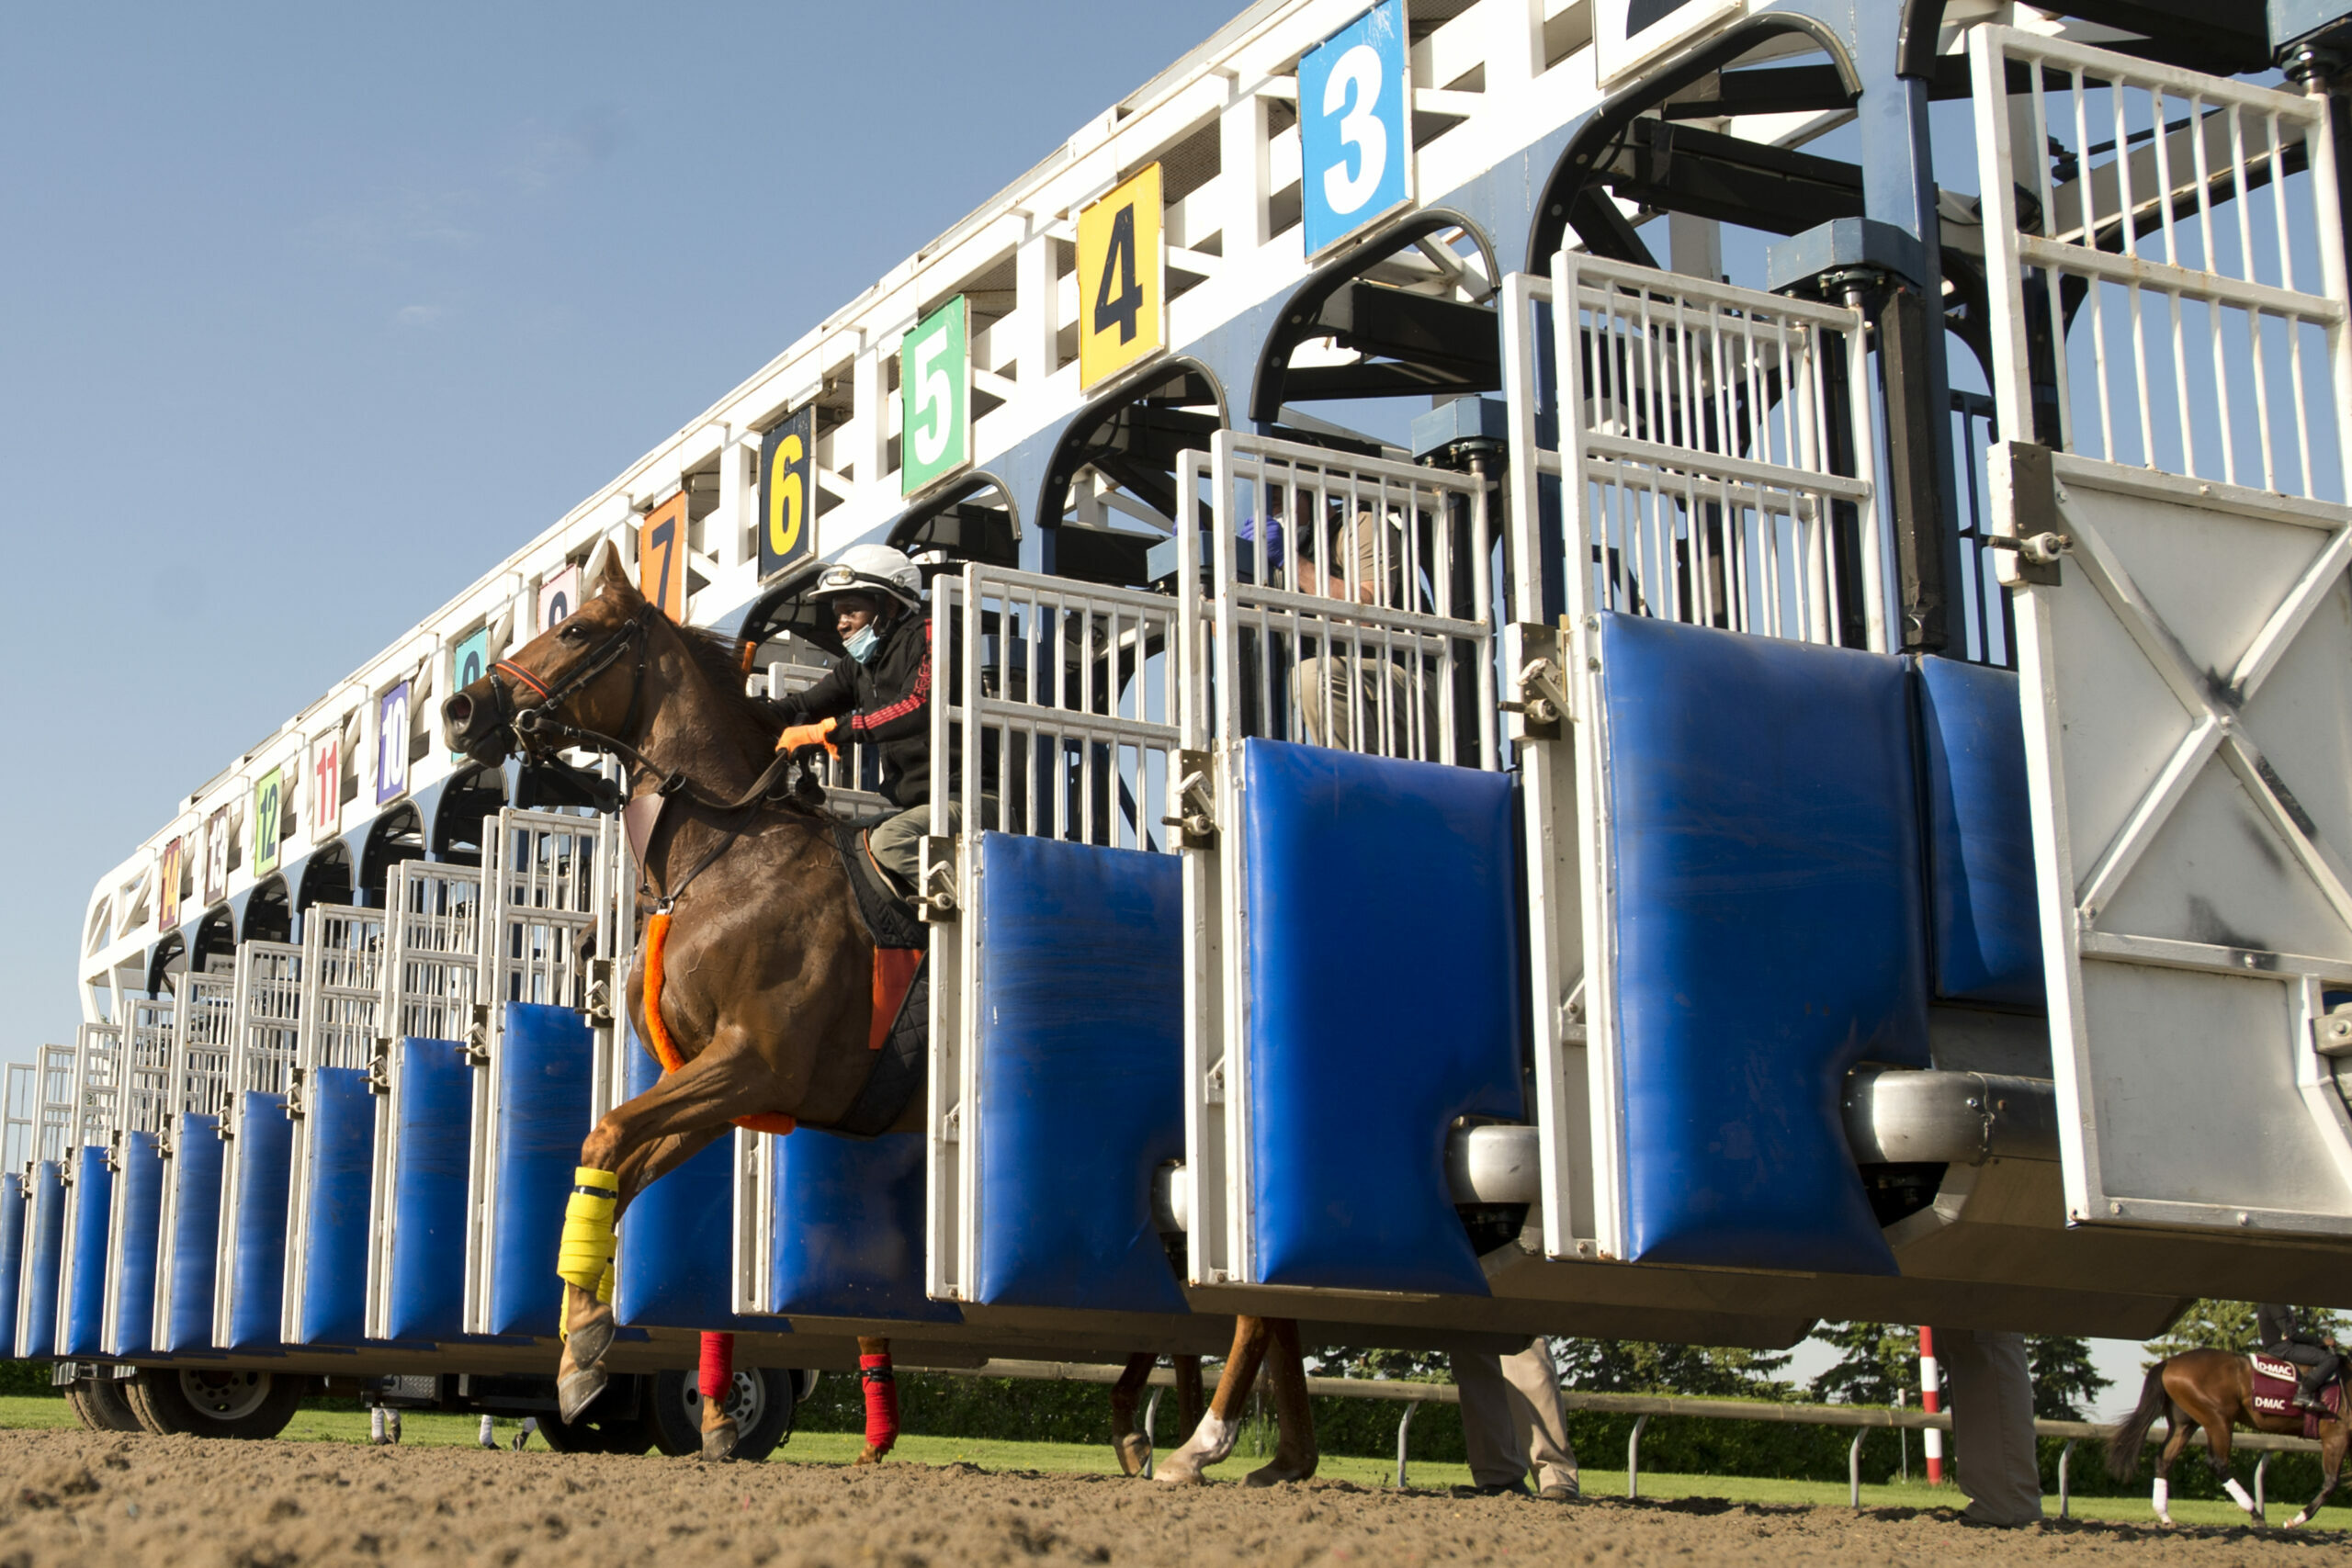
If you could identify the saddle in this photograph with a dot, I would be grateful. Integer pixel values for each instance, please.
(2274, 1391)
(901, 1036)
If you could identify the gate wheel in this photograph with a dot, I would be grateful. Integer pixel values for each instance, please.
(103, 1404)
(174, 1401)
(761, 1402)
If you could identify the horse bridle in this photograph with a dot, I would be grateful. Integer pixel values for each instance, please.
(536, 727)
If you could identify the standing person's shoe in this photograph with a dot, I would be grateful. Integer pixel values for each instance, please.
(1494, 1489)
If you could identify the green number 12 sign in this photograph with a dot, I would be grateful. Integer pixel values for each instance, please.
(935, 387)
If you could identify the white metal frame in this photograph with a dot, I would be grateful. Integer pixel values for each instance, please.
(432, 967)
(2185, 675)
(97, 1079)
(343, 997)
(203, 1055)
(266, 1017)
(143, 1105)
(1078, 682)
(543, 881)
(1405, 620)
(57, 1075)
(17, 1121)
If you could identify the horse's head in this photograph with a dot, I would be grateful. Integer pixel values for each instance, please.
(583, 673)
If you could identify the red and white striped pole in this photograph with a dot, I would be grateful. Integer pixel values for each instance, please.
(1931, 1401)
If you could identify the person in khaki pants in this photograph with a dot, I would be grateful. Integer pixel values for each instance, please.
(1512, 1421)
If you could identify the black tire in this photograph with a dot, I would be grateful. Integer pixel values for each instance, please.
(104, 1404)
(609, 1425)
(761, 1402)
(215, 1403)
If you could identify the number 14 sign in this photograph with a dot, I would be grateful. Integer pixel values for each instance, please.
(1356, 127)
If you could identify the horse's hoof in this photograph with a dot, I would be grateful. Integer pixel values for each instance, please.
(587, 1343)
(1275, 1474)
(1173, 1473)
(871, 1455)
(1135, 1452)
(575, 1392)
(718, 1442)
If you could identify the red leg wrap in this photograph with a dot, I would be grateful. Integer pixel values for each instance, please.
(881, 1402)
(718, 1365)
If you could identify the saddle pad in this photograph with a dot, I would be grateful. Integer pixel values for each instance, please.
(2274, 1392)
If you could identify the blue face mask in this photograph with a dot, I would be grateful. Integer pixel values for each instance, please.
(864, 644)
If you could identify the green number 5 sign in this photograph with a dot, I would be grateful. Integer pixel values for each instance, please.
(935, 387)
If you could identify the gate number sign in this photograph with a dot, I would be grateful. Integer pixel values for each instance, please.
(788, 492)
(661, 556)
(1123, 279)
(469, 662)
(1354, 129)
(269, 808)
(326, 787)
(391, 744)
(935, 386)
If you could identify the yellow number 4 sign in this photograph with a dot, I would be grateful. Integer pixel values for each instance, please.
(1121, 279)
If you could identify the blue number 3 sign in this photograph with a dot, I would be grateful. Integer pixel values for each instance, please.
(1355, 125)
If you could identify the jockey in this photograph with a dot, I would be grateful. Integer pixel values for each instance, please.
(2283, 1334)
(877, 693)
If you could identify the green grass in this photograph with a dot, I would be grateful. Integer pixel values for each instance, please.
(325, 1425)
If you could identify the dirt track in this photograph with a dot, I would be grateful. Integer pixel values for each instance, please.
(74, 1497)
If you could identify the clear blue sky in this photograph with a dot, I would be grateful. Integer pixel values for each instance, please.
(313, 313)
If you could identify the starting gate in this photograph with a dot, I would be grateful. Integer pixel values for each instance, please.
(2170, 325)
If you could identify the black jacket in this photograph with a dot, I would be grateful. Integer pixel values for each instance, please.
(885, 705)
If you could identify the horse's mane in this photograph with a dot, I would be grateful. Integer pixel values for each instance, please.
(720, 658)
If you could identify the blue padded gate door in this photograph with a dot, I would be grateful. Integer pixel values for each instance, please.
(1762, 932)
(1383, 1002)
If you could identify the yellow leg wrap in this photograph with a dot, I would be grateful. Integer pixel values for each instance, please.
(585, 1256)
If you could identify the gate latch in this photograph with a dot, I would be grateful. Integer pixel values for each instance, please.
(1540, 688)
(2333, 1029)
(599, 999)
(1195, 802)
(936, 898)
(2025, 514)
(477, 1040)
(380, 1065)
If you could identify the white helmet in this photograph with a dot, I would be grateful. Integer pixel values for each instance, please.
(871, 569)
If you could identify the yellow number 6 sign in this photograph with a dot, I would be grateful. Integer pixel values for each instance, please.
(788, 492)
(1121, 279)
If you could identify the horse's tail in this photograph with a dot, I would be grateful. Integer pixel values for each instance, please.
(2124, 1442)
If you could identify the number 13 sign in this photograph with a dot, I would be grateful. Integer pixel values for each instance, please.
(1354, 126)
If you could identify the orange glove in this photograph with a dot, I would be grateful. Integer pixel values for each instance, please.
(800, 736)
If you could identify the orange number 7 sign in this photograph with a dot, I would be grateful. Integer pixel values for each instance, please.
(661, 556)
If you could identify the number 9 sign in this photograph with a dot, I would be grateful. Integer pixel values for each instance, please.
(1355, 128)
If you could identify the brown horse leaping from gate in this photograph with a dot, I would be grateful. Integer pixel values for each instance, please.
(2214, 1389)
(767, 997)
